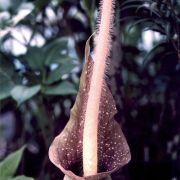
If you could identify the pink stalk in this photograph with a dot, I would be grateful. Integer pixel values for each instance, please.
(101, 52)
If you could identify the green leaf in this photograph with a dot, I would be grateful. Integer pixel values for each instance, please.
(157, 49)
(57, 74)
(39, 57)
(9, 165)
(6, 81)
(64, 88)
(23, 93)
(5, 21)
(21, 178)
(40, 4)
(34, 58)
(56, 51)
(6, 66)
(127, 7)
(88, 6)
(134, 1)
(143, 20)
(5, 87)
(131, 37)
(15, 19)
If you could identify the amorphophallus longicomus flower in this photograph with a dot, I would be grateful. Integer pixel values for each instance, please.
(92, 139)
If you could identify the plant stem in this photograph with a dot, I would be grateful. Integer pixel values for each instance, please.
(102, 48)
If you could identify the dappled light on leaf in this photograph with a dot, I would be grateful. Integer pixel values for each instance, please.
(23, 93)
(64, 88)
(10, 164)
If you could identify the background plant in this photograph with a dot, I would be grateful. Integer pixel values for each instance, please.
(41, 57)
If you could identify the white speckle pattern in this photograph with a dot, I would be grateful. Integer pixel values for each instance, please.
(113, 151)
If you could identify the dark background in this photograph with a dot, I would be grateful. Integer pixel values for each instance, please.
(43, 55)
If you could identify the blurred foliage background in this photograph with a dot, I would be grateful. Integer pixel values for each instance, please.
(41, 58)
